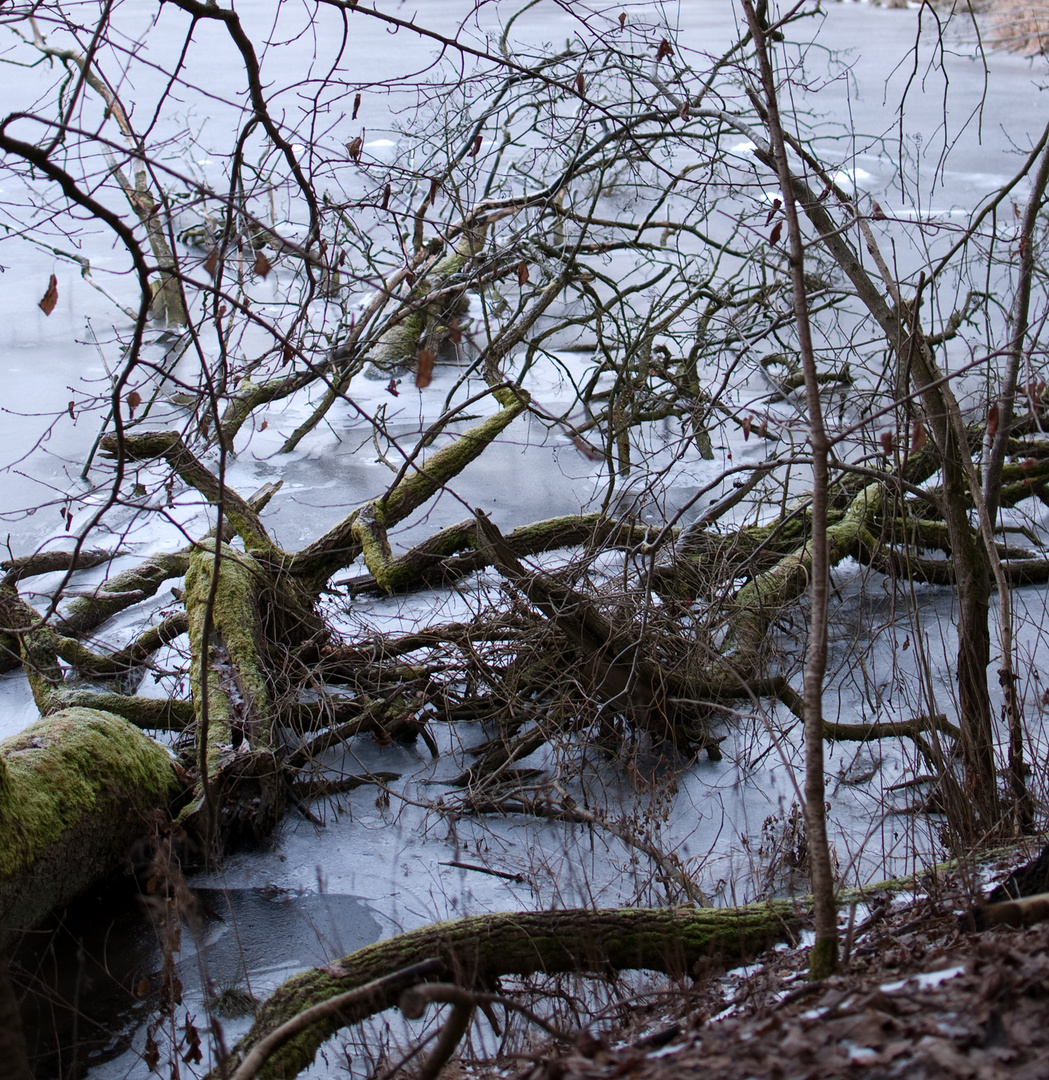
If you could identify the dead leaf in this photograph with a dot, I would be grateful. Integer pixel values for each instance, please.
(262, 265)
(665, 49)
(69, 409)
(919, 437)
(134, 399)
(476, 146)
(211, 264)
(354, 148)
(265, 424)
(424, 368)
(287, 353)
(886, 443)
(992, 421)
(392, 388)
(151, 1054)
(387, 191)
(777, 232)
(580, 84)
(776, 204)
(142, 987)
(356, 106)
(622, 19)
(747, 421)
(522, 273)
(50, 298)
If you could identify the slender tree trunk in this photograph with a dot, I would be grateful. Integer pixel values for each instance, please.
(824, 959)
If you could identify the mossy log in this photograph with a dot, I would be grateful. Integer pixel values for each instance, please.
(474, 951)
(77, 790)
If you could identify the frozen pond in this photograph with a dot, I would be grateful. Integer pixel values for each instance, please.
(374, 866)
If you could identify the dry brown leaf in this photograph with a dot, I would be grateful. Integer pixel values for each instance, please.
(777, 232)
(522, 273)
(386, 197)
(354, 148)
(622, 19)
(919, 437)
(262, 265)
(134, 399)
(50, 298)
(992, 421)
(476, 149)
(747, 421)
(392, 388)
(356, 106)
(211, 263)
(580, 84)
(665, 49)
(424, 368)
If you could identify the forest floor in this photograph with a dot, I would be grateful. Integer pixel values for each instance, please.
(917, 996)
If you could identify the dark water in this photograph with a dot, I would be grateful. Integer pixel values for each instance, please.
(89, 983)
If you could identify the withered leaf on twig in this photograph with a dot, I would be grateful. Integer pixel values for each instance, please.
(354, 148)
(50, 298)
(919, 437)
(522, 273)
(424, 369)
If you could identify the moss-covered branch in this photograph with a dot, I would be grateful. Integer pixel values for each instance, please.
(474, 951)
(170, 446)
(364, 530)
(231, 695)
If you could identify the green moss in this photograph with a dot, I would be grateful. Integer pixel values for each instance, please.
(59, 769)
(235, 618)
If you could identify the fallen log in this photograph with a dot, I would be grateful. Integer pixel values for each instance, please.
(474, 951)
(77, 790)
